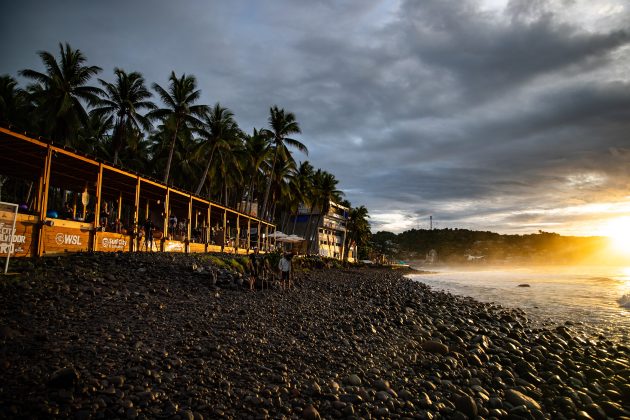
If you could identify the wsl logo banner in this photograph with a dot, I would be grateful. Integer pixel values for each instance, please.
(67, 239)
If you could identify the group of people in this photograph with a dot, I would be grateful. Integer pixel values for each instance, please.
(259, 269)
(175, 227)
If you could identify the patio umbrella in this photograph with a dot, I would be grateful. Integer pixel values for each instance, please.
(294, 238)
(277, 235)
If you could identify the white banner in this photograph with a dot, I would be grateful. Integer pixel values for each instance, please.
(8, 217)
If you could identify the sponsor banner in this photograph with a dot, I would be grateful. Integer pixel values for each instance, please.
(18, 241)
(62, 239)
(112, 242)
(194, 247)
(174, 246)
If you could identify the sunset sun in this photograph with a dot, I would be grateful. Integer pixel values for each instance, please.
(618, 230)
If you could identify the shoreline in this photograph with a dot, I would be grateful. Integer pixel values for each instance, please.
(550, 296)
(133, 335)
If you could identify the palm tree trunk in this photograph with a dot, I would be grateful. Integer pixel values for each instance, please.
(273, 211)
(316, 233)
(268, 188)
(285, 221)
(122, 139)
(307, 229)
(294, 222)
(170, 154)
(205, 173)
(250, 199)
(344, 249)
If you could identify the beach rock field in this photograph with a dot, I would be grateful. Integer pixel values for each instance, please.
(173, 336)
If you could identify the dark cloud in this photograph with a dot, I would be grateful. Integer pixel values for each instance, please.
(487, 56)
(508, 119)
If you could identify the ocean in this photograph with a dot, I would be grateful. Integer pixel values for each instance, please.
(598, 297)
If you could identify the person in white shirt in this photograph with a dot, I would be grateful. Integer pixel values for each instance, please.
(285, 270)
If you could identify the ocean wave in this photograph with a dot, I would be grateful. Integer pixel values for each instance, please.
(605, 280)
(624, 301)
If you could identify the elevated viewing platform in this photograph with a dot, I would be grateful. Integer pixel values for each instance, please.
(72, 202)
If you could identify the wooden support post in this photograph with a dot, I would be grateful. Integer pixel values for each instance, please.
(259, 236)
(45, 185)
(189, 219)
(136, 218)
(266, 241)
(97, 208)
(224, 228)
(209, 231)
(119, 214)
(249, 233)
(166, 210)
(238, 232)
(40, 188)
(43, 201)
(136, 214)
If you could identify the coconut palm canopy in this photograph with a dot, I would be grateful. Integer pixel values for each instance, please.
(168, 132)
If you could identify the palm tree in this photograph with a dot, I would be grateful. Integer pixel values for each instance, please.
(183, 154)
(325, 192)
(281, 192)
(95, 136)
(219, 128)
(257, 152)
(123, 100)
(136, 155)
(12, 101)
(357, 229)
(282, 126)
(230, 171)
(58, 93)
(179, 99)
(302, 184)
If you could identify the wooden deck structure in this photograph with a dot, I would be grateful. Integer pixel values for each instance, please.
(106, 206)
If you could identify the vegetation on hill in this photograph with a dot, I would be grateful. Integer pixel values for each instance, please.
(468, 246)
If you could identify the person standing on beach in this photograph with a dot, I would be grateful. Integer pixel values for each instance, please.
(148, 234)
(285, 270)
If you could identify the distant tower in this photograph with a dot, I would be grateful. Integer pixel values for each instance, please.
(430, 222)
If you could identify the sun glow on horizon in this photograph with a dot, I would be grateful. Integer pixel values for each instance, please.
(618, 230)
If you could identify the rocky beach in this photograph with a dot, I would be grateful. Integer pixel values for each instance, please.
(174, 336)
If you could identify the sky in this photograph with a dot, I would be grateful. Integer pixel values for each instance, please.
(509, 116)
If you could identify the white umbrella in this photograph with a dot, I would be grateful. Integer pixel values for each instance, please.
(294, 238)
(290, 239)
(277, 235)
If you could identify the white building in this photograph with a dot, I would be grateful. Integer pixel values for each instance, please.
(328, 231)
